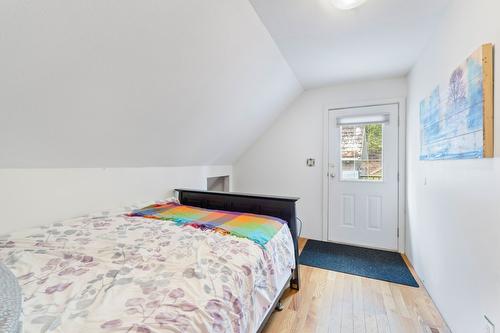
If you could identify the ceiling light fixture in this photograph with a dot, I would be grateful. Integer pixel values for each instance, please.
(347, 4)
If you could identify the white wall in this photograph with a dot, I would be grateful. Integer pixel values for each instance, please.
(31, 197)
(124, 84)
(453, 233)
(276, 163)
(134, 83)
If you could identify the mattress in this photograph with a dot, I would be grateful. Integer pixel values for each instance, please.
(115, 273)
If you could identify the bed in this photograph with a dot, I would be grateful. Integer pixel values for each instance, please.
(111, 272)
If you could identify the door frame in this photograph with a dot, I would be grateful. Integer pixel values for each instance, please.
(401, 102)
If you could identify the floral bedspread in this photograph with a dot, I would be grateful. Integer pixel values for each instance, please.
(117, 273)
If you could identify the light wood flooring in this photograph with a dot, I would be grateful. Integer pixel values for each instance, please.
(333, 302)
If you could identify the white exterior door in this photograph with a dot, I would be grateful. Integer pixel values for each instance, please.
(363, 176)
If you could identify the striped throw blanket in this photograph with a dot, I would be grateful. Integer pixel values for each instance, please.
(258, 228)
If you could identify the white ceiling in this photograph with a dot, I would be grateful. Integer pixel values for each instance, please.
(324, 45)
(123, 83)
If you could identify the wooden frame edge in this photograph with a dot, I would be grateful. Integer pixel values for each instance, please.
(488, 102)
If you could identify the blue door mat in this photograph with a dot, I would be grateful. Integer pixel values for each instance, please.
(370, 263)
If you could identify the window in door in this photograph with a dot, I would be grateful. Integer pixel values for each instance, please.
(361, 152)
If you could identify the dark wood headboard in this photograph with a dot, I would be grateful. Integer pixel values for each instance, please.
(277, 206)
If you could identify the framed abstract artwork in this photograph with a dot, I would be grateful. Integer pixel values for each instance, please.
(456, 120)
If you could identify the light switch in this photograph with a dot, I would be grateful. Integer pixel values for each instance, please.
(310, 162)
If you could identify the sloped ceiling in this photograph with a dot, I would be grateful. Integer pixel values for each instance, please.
(93, 83)
(325, 45)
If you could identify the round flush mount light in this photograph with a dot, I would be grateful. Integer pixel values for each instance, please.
(347, 4)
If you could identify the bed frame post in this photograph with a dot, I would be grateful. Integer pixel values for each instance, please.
(277, 206)
(295, 281)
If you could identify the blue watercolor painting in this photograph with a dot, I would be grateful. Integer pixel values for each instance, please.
(451, 118)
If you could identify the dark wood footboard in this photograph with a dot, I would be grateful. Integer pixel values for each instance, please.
(277, 206)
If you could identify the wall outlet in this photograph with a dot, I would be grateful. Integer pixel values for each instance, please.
(489, 326)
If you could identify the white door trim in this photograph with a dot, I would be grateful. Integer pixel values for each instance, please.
(401, 101)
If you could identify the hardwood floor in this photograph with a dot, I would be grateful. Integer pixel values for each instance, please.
(333, 302)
